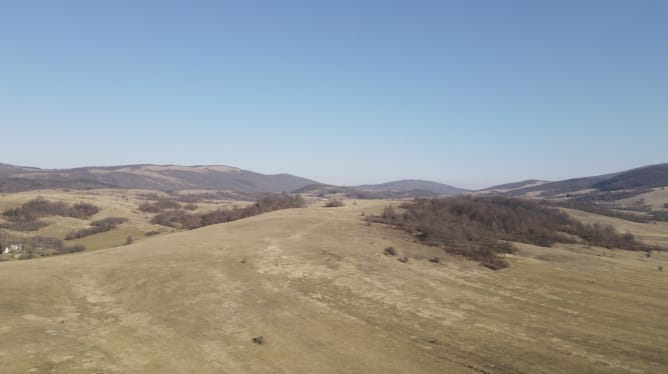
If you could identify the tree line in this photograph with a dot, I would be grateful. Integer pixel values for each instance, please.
(481, 228)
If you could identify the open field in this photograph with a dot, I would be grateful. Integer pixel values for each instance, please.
(315, 284)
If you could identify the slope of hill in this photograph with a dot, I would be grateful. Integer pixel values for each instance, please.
(325, 299)
(513, 186)
(150, 177)
(635, 179)
(414, 185)
(644, 177)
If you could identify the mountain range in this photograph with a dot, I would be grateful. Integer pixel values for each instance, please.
(219, 177)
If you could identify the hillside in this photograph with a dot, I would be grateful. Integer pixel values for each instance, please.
(639, 179)
(148, 177)
(314, 283)
(513, 186)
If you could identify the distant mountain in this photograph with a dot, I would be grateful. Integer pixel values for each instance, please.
(635, 179)
(414, 185)
(152, 177)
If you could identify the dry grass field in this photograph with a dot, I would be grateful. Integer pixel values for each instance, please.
(315, 284)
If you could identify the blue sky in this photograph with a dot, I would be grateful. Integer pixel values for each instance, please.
(470, 93)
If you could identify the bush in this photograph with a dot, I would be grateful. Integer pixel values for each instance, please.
(334, 203)
(390, 251)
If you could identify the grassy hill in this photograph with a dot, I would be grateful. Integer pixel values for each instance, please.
(314, 283)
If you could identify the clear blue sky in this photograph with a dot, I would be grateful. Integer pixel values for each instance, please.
(470, 93)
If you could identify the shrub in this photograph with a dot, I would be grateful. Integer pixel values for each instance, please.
(334, 203)
(390, 251)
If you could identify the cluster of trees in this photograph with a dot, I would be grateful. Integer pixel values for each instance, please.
(40, 207)
(480, 228)
(101, 225)
(184, 220)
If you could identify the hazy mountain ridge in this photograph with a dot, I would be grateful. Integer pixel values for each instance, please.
(152, 177)
(414, 185)
(515, 185)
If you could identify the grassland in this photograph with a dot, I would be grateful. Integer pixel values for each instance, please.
(315, 284)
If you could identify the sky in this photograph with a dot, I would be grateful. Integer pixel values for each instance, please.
(470, 93)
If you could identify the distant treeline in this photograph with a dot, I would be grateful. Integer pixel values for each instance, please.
(481, 227)
(40, 207)
(185, 220)
(101, 225)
